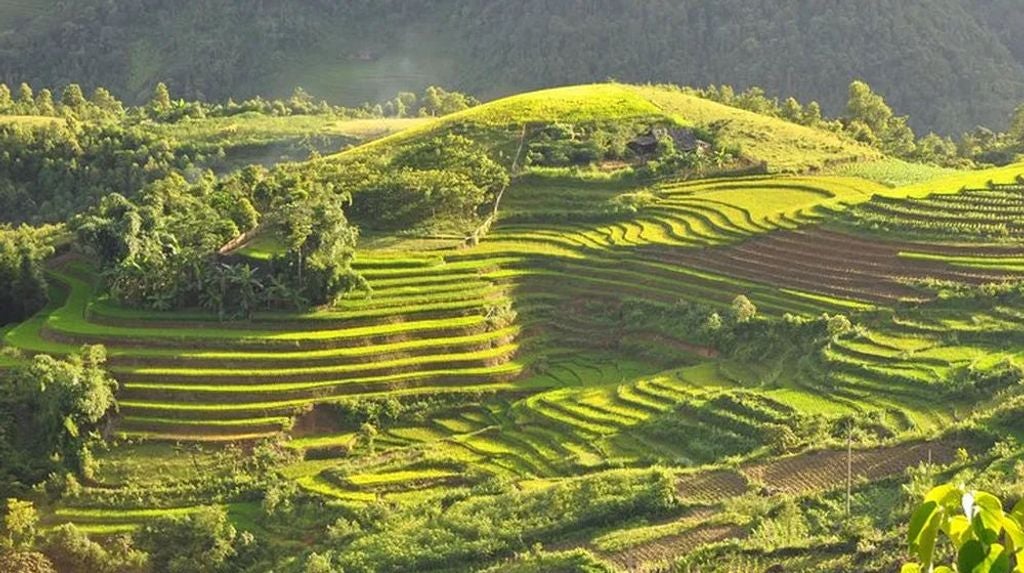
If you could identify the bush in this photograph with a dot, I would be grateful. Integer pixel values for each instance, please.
(481, 528)
(201, 541)
(72, 551)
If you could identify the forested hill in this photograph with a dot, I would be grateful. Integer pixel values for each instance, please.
(949, 64)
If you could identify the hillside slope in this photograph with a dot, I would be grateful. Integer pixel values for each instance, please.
(780, 145)
(950, 64)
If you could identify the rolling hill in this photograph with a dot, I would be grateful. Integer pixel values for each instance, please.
(571, 357)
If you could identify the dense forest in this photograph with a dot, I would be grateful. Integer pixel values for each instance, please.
(949, 64)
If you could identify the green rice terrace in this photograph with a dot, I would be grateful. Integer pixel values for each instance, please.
(641, 360)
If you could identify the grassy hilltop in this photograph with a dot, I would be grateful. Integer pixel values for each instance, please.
(628, 369)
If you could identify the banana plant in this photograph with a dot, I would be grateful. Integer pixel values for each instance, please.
(984, 537)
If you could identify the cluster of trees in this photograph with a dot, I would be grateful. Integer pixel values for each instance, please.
(433, 102)
(94, 147)
(73, 103)
(449, 177)
(490, 526)
(869, 119)
(23, 289)
(50, 412)
(52, 171)
(101, 105)
(161, 250)
(497, 523)
(203, 540)
(737, 332)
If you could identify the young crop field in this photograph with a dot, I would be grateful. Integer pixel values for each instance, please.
(979, 215)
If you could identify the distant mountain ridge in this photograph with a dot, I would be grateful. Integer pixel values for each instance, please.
(949, 64)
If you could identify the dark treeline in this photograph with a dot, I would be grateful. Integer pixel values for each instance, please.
(162, 107)
(949, 64)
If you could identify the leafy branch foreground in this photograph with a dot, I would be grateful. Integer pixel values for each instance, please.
(983, 537)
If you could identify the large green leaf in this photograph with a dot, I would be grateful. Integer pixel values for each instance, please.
(947, 496)
(1018, 511)
(971, 555)
(924, 528)
(1014, 533)
(958, 529)
(975, 557)
(997, 560)
(988, 517)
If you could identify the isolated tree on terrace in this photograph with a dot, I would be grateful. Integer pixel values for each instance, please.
(431, 101)
(368, 435)
(249, 287)
(867, 106)
(301, 101)
(214, 290)
(742, 309)
(812, 114)
(935, 149)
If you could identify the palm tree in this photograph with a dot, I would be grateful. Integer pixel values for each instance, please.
(249, 287)
(213, 292)
(281, 295)
(163, 299)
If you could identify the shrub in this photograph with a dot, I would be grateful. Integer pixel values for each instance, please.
(203, 540)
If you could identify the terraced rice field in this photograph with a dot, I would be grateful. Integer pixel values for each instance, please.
(191, 378)
(514, 333)
(842, 265)
(991, 214)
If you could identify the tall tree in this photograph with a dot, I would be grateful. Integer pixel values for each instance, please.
(106, 102)
(161, 101)
(73, 99)
(26, 99)
(873, 120)
(44, 102)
